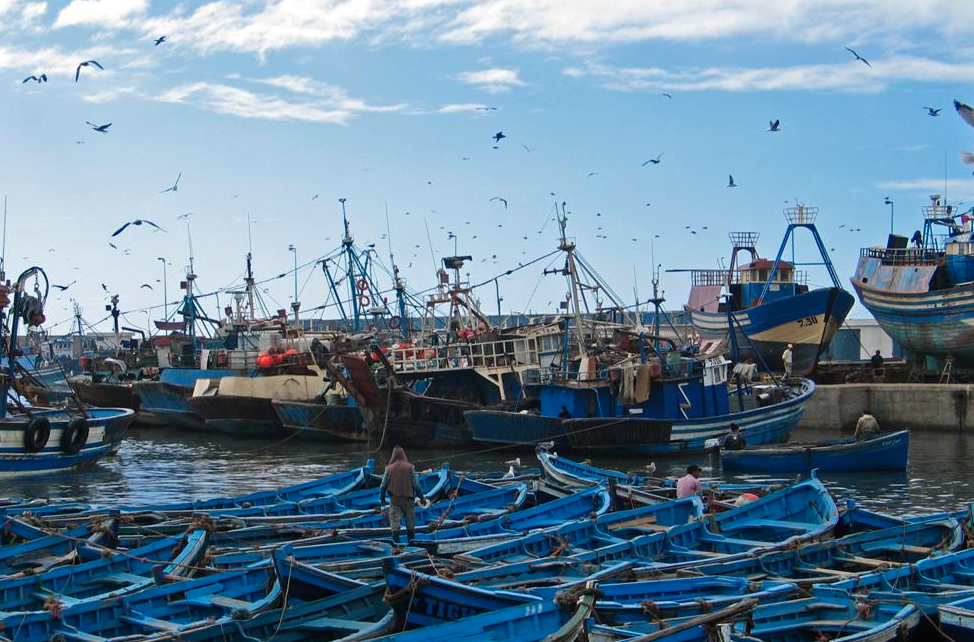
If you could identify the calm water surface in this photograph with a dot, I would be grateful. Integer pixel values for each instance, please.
(162, 465)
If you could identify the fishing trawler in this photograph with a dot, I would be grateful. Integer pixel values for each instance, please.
(771, 303)
(923, 296)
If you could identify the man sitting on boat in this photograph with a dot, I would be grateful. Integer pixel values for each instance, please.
(689, 485)
(867, 427)
(734, 440)
(401, 482)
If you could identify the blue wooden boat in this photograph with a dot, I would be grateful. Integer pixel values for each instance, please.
(957, 619)
(306, 582)
(770, 303)
(165, 401)
(117, 574)
(886, 452)
(333, 423)
(158, 612)
(38, 554)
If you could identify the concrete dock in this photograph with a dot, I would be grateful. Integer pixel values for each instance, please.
(896, 406)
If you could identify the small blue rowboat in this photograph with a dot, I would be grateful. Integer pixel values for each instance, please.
(957, 620)
(886, 452)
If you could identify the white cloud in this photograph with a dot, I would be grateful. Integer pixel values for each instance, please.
(458, 108)
(932, 185)
(326, 106)
(850, 76)
(101, 13)
(493, 80)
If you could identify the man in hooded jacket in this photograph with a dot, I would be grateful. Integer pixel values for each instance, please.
(402, 484)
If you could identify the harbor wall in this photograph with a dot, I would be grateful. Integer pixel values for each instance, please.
(896, 406)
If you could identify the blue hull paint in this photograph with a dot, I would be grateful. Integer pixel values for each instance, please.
(166, 404)
(327, 422)
(887, 452)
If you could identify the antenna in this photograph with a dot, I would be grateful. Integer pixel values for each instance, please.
(189, 236)
(250, 240)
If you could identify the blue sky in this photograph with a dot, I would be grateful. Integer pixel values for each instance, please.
(263, 105)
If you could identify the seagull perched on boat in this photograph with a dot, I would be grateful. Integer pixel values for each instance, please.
(651, 468)
(137, 221)
(498, 198)
(773, 126)
(160, 40)
(175, 186)
(858, 57)
(654, 161)
(62, 288)
(510, 471)
(933, 112)
(547, 445)
(86, 63)
(41, 78)
(498, 136)
(102, 129)
(730, 181)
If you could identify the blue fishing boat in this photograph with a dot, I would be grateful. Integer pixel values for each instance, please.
(44, 440)
(923, 296)
(886, 452)
(166, 401)
(771, 305)
(330, 422)
(37, 553)
(957, 620)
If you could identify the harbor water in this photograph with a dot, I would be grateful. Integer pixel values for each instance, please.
(168, 465)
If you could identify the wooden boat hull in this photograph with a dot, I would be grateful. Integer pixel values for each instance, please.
(106, 430)
(886, 452)
(166, 404)
(106, 395)
(240, 416)
(326, 422)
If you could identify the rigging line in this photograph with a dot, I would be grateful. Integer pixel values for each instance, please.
(511, 271)
(536, 286)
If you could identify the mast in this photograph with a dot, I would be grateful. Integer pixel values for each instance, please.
(569, 249)
(250, 287)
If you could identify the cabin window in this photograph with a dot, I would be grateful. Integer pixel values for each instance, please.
(762, 275)
(785, 276)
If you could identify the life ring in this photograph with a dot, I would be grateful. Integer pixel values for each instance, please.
(363, 285)
(74, 436)
(36, 434)
(394, 322)
(365, 300)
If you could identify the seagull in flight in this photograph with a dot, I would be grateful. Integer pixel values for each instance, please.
(730, 181)
(86, 63)
(498, 198)
(654, 161)
(665, 96)
(146, 285)
(175, 186)
(498, 136)
(137, 221)
(62, 288)
(104, 287)
(99, 128)
(184, 216)
(591, 174)
(965, 112)
(486, 108)
(160, 40)
(774, 126)
(41, 78)
(858, 57)
(526, 148)
(933, 112)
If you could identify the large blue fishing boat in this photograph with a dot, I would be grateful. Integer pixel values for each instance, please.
(886, 452)
(772, 306)
(923, 296)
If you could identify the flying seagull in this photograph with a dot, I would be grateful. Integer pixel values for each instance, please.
(933, 112)
(858, 57)
(654, 161)
(145, 285)
(41, 78)
(965, 112)
(730, 181)
(175, 186)
(62, 288)
(773, 126)
(160, 40)
(104, 287)
(99, 128)
(486, 108)
(77, 72)
(665, 96)
(498, 198)
(526, 148)
(591, 174)
(184, 216)
(498, 136)
(137, 221)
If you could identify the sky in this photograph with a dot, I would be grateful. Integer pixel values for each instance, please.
(273, 110)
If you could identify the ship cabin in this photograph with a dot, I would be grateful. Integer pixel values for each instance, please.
(747, 283)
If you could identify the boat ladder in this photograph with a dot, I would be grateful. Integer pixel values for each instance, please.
(948, 369)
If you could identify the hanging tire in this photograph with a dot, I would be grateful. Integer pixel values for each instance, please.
(74, 436)
(36, 434)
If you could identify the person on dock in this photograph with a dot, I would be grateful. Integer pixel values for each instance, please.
(564, 414)
(689, 485)
(402, 484)
(867, 427)
(787, 360)
(734, 440)
(876, 360)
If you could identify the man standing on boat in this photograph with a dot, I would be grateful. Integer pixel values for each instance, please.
(401, 482)
(786, 360)
(734, 440)
(564, 414)
(867, 427)
(689, 485)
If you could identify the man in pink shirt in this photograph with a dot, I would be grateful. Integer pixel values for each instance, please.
(689, 484)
